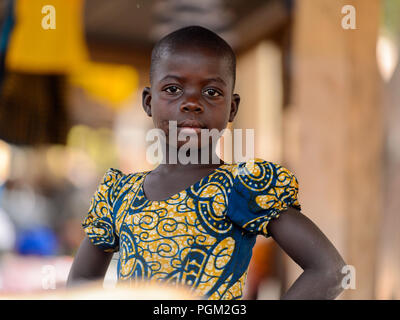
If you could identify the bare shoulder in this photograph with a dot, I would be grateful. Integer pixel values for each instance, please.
(303, 241)
(291, 221)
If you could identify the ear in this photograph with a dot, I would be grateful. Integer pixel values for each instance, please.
(146, 100)
(234, 106)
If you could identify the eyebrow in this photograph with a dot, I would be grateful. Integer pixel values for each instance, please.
(170, 76)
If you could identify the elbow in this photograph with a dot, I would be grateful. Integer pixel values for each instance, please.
(82, 282)
(334, 278)
(72, 281)
(77, 280)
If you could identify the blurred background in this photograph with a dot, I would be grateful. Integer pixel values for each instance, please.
(319, 83)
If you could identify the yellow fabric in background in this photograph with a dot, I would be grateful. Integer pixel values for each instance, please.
(62, 50)
(109, 83)
(34, 49)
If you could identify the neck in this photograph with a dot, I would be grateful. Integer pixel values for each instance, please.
(205, 157)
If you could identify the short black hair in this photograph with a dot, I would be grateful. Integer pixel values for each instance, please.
(198, 36)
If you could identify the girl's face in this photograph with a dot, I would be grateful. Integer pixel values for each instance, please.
(192, 86)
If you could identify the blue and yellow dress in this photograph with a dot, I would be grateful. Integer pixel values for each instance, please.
(201, 237)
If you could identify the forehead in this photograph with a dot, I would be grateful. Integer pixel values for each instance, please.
(193, 63)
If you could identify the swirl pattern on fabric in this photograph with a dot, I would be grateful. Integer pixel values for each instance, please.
(201, 237)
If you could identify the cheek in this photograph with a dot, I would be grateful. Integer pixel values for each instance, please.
(161, 121)
(158, 114)
(220, 120)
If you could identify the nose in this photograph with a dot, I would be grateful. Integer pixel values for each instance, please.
(191, 105)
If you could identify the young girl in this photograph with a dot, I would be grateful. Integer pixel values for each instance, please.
(196, 224)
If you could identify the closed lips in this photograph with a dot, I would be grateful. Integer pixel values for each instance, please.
(190, 124)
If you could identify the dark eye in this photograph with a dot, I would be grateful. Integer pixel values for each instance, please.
(172, 89)
(212, 92)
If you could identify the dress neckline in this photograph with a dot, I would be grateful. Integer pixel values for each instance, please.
(145, 173)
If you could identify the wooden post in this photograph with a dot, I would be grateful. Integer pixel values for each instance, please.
(259, 83)
(334, 131)
(388, 276)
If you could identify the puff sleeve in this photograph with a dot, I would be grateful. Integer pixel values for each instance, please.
(99, 223)
(261, 191)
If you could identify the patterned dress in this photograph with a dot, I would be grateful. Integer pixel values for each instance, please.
(201, 237)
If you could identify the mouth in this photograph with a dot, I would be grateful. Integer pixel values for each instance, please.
(194, 124)
(190, 126)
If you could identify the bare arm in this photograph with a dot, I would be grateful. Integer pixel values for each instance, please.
(304, 242)
(90, 264)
